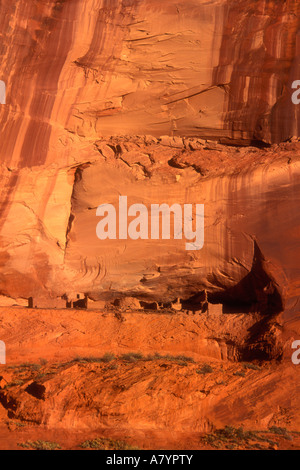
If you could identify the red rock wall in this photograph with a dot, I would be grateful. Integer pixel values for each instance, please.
(80, 72)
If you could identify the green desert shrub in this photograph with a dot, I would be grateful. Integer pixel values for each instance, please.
(40, 445)
(281, 432)
(233, 438)
(205, 369)
(240, 373)
(132, 357)
(106, 444)
(249, 365)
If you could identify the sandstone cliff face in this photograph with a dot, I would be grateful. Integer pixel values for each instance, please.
(83, 79)
(218, 68)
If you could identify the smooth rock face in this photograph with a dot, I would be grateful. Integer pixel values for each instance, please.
(83, 80)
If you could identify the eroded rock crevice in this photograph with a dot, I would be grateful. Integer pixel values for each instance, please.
(256, 292)
(36, 390)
